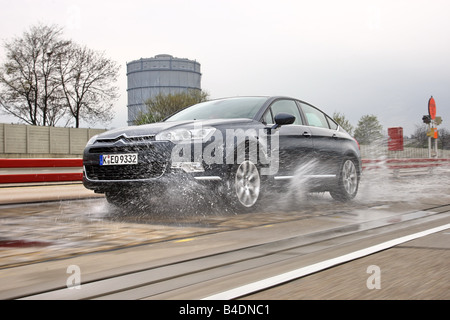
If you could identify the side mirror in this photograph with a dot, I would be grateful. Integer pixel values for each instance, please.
(282, 119)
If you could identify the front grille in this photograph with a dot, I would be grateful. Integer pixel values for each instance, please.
(121, 149)
(126, 172)
(152, 162)
(129, 139)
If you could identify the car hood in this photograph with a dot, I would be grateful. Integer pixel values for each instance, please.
(155, 128)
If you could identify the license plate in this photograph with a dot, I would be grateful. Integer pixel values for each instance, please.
(118, 159)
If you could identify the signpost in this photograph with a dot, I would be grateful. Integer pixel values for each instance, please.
(432, 121)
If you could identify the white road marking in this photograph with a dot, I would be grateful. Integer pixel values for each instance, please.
(298, 273)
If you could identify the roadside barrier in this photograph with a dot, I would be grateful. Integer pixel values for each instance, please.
(403, 163)
(40, 170)
(59, 170)
(405, 166)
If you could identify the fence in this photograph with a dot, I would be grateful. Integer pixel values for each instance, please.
(378, 151)
(24, 141)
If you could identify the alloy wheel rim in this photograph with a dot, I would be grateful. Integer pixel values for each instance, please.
(349, 177)
(247, 183)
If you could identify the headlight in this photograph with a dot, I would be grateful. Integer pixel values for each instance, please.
(92, 140)
(179, 135)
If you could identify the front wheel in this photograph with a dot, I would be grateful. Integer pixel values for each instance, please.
(125, 199)
(244, 187)
(117, 199)
(247, 184)
(348, 182)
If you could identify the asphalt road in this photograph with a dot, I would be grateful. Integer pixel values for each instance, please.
(48, 248)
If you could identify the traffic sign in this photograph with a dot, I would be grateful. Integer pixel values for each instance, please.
(432, 108)
(433, 133)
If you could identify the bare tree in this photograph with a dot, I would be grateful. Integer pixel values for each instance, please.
(87, 79)
(31, 88)
(444, 138)
(46, 78)
(419, 137)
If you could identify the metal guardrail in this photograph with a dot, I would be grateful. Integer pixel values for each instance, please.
(63, 170)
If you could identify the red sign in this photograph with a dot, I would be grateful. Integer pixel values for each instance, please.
(432, 108)
(395, 142)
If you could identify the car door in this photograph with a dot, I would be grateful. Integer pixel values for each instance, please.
(327, 140)
(295, 144)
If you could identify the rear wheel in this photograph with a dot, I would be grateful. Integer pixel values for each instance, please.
(348, 182)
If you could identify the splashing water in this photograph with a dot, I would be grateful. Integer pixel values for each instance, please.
(187, 198)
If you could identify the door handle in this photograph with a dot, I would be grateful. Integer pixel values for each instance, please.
(334, 136)
(306, 134)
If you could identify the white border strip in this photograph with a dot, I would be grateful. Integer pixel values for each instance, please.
(291, 275)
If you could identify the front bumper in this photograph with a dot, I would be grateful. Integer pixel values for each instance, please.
(154, 168)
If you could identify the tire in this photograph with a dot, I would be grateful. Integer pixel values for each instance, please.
(116, 199)
(347, 183)
(245, 186)
(123, 199)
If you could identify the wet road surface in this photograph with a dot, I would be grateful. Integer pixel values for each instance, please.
(61, 232)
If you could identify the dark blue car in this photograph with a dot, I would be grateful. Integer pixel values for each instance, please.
(238, 146)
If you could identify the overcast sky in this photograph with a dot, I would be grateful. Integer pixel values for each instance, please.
(357, 57)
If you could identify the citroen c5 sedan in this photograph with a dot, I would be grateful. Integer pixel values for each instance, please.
(239, 147)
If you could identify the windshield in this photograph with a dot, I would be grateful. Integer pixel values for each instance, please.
(233, 108)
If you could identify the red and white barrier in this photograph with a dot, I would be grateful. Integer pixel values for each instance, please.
(40, 170)
(396, 164)
(58, 170)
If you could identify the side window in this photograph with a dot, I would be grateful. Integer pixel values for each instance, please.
(333, 125)
(267, 118)
(287, 106)
(315, 117)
